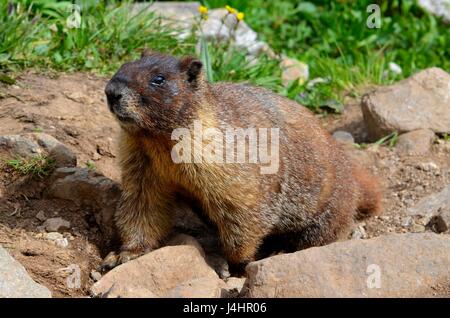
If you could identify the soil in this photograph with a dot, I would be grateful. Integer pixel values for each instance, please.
(72, 108)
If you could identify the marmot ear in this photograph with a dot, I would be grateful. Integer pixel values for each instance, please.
(192, 67)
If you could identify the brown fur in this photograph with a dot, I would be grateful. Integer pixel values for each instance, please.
(312, 200)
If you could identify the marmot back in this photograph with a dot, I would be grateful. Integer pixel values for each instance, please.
(291, 187)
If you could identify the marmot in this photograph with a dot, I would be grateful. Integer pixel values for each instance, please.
(311, 199)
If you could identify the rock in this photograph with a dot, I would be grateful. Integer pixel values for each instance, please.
(41, 216)
(292, 70)
(180, 15)
(35, 144)
(417, 142)
(63, 156)
(417, 228)
(343, 136)
(359, 232)
(440, 222)
(431, 205)
(197, 288)
(20, 146)
(96, 276)
(440, 8)
(57, 238)
(87, 187)
(56, 225)
(398, 265)
(427, 166)
(222, 26)
(418, 102)
(15, 281)
(233, 287)
(183, 239)
(171, 271)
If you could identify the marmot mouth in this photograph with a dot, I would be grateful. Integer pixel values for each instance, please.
(126, 119)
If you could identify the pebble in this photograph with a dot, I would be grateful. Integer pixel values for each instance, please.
(417, 228)
(57, 238)
(41, 216)
(56, 225)
(96, 276)
(359, 232)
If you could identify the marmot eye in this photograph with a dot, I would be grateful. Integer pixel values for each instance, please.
(157, 80)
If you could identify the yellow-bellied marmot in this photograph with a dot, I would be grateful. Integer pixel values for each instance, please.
(311, 199)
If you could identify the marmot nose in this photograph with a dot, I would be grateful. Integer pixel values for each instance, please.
(113, 92)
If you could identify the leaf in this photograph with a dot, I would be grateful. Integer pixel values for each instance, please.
(206, 60)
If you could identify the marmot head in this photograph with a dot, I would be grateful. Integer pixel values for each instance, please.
(156, 93)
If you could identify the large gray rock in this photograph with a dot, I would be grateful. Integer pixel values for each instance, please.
(171, 271)
(38, 144)
(420, 102)
(15, 281)
(400, 265)
(86, 187)
(440, 8)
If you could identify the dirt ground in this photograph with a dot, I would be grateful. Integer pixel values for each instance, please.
(72, 108)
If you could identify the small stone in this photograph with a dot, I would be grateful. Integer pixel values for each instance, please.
(57, 239)
(359, 233)
(343, 136)
(292, 70)
(407, 222)
(56, 225)
(417, 142)
(440, 223)
(96, 276)
(417, 228)
(41, 216)
(427, 166)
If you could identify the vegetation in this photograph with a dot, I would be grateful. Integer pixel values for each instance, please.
(330, 36)
(38, 166)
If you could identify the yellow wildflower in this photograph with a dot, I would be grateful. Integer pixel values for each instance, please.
(230, 9)
(203, 10)
(240, 16)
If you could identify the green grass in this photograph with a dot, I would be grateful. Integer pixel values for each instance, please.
(90, 165)
(38, 166)
(38, 35)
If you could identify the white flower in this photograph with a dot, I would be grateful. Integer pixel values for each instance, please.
(395, 68)
(74, 20)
